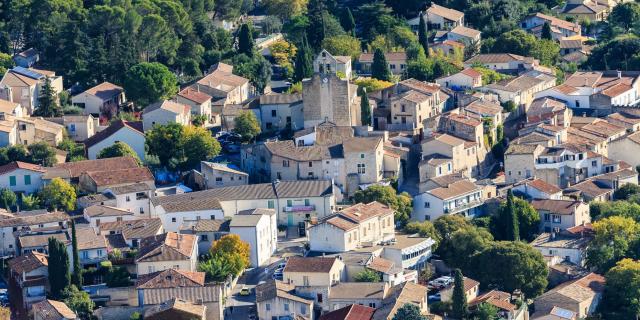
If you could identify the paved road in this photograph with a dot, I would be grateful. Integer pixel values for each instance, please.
(241, 307)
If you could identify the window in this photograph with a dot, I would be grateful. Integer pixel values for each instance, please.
(319, 297)
(557, 218)
(305, 280)
(72, 128)
(99, 252)
(270, 204)
(372, 304)
(427, 217)
(273, 113)
(361, 168)
(310, 164)
(128, 199)
(12, 180)
(402, 108)
(85, 254)
(218, 179)
(286, 307)
(362, 156)
(152, 269)
(307, 202)
(173, 219)
(204, 237)
(141, 210)
(594, 163)
(289, 203)
(427, 205)
(285, 163)
(268, 307)
(27, 179)
(303, 309)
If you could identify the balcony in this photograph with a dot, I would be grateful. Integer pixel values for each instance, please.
(309, 208)
(464, 206)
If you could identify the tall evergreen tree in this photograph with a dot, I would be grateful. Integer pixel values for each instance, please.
(423, 37)
(380, 67)
(245, 40)
(303, 64)
(365, 108)
(48, 102)
(546, 31)
(316, 29)
(76, 277)
(459, 298)
(347, 22)
(514, 224)
(59, 277)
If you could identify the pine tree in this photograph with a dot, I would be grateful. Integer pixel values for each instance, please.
(365, 108)
(512, 215)
(380, 68)
(303, 64)
(347, 22)
(245, 40)
(76, 277)
(459, 298)
(546, 31)
(48, 101)
(59, 277)
(423, 38)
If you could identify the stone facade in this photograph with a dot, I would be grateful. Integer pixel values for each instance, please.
(326, 97)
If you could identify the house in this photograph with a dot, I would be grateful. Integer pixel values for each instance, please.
(566, 245)
(350, 312)
(294, 202)
(165, 112)
(26, 131)
(79, 128)
(129, 132)
(408, 251)
(200, 104)
(411, 108)
(505, 303)
(27, 58)
(28, 278)
(557, 215)
(126, 234)
(229, 112)
(105, 98)
(559, 28)
(400, 295)
(327, 97)
(21, 177)
(625, 148)
(167, 251)
(92, 247)
(276, 299)
(221, 84)
(503, 62)
(370, 294)
(71, 171)
(314, 272)
(522, 89)
(441, 18)
(12, 108)
(176, 309)
(207, 232)
(466, 79)
(462, 197)
(550, 111)
(352, 227)
(486, 111)
(217, 175)
(281, 112)
(26, 221)
(397, 62)
(580, 296)
(581, 10)
(535, 188)
(134, 197)
(602, 187)
(448, 47)
(445, 154)
(258, 228)
(154, 289)
(38, 241)
(471, 290)
(325, 151)
(597, 92)
(96, 215)
(52, 310)
(99, 181)
(23, 85)
(328, 64)
(468, 36)
(629, 121)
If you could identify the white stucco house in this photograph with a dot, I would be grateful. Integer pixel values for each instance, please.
(259, 228)
(129, 132)
(103, 98)
(21, 177)
(165, 112)
(167, 251)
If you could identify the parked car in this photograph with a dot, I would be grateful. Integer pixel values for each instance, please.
(245, 291)
(441, 282)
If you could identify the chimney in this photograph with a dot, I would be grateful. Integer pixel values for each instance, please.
(619, 74)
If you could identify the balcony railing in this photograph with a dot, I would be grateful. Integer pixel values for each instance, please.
(300, 208)
(471, 204)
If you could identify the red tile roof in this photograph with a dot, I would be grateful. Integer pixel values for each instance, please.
(20, 165)
(350, 312)
(118, 177)
(194, 95)
(309, 264)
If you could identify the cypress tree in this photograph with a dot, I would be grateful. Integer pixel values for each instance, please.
(316, 28)
(347, 22)
(245, 40)
(76, 277)
(59, 277)
(303, 64)
(379, 67)
(365, 108)
(423, 38)
(459, 298)
(546, 32)
(48, 102)
(512, 216)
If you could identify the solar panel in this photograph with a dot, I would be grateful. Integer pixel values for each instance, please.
(28, 73)
(563, 313)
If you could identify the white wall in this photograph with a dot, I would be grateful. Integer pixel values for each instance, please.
(132, 137)
(20, 186)
(172, 221)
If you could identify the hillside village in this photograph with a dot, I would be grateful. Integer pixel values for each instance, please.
(320, 160)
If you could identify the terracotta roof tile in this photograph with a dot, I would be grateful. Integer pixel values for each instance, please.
(28, 262)
(310, 264)
(166, 247)
(122, 176)
(170, 278)
(350, 312)
(9, 167)
(194, 95)
(105, 90)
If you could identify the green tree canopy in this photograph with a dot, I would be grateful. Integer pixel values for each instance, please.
(546, 32)
(513, 265)
(247, 125)
(146, 83)
(365, 108)
(520, 213)
(255, 68)
(459, 297)
(424, 229)
(58, 268)
(367, 275)
(8, 199)
(347, 22)
(58, 195)
(76, 276)
(342, 45)
(625, 16)
(615, 238)
(78, 301)
(119, 149)
(48, 105)
(245, 40)
(621, 291)
(165, 142)
(409, 312)
(402, 203)
(380, 67)
(43, 154)
(198, 145)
